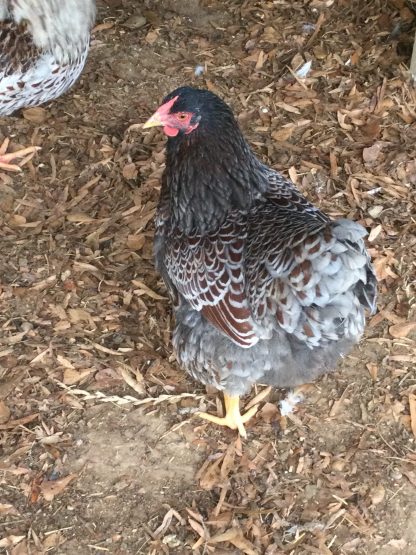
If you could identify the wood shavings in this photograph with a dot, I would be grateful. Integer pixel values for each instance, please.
(321, 97)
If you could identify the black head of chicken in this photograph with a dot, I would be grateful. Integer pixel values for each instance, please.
(210, 168)
(186, 110)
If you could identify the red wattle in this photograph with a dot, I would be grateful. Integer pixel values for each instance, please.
(170, 131)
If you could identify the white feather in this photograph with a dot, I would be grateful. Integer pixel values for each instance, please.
(61, 27)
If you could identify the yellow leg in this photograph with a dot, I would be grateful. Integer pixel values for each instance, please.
(233, 418)
(5, 159)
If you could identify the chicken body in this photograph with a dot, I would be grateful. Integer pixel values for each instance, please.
(266, 288)
(43, 49)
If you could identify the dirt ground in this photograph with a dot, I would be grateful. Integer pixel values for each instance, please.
(100, 450)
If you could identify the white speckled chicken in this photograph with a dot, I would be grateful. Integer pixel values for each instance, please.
(266, 287)
(43, 48)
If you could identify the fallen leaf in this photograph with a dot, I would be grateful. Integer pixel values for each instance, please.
(19, 422)
(10, 541)
(269, 412)
(197, 527)
(371, 153)
(377, 494)
(397, 544)
(51, 488)
(129, 171)
(288, 107)
(374, 233)
(79, 217)
(77, 315)
(35, 115)
(371, 129)
(411, 476)
(402, 330)
(55, 539)
(4, 412)
(283, 134)
(412, 405)
(72, 376)
(20, 549)
(7, 509)
(64, 362)
(135, 242)
(144, 290)
(373, 370)
(151, 37)
(235, 537)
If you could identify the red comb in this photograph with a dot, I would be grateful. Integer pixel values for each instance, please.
(165, 108)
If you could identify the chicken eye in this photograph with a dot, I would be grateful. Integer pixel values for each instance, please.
(182, 117)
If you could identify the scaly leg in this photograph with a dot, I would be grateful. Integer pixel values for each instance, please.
(5, 159)
(233, 418)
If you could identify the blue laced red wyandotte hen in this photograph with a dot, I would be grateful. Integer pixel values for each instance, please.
(266, 287)
(43, 49)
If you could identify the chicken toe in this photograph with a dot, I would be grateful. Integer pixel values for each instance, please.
(233, 418)
(24, 154)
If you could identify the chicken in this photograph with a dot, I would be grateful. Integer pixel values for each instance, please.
(43, 48)
(266, 288)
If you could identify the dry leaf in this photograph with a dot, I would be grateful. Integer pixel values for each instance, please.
(397, 544)
(64, 362)
(197, 527)
(72, 376)
(151, 37)
(52, 540)
(412, 405)
(50, 488)
(371, 129)
(135, 242)
(7, 509)
(235, 537)
(21, 549)
(269, 412)
(374, 233)
(293, 174)
(35, 115)
(372, 370)
(17, 219)
(10, 541)
(144, 290)
(78, 315)
(402, 330)
(371, 153)
(4, 412)
(283, 134)
(19, 421)
(270, 35)
(377, 494)
(411, 476)
(130, 171)
(288, 107)
(79, 217)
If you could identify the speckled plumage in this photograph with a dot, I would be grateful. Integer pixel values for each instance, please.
(266, 288)
(43, 49)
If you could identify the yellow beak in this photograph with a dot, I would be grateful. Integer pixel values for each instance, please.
(153, 121)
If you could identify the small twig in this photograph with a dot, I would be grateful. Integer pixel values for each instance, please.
(318, 26)
(130, 381)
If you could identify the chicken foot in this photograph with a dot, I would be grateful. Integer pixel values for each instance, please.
(233, 418)
(5, 159)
